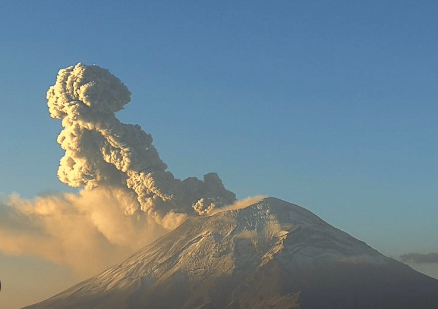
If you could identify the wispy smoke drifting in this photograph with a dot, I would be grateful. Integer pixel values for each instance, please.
(129, 198)
(100, 150)
(239, 204)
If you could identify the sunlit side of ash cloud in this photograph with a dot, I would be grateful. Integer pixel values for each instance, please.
(128, 198)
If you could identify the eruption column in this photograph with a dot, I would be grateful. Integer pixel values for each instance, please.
(102, 151)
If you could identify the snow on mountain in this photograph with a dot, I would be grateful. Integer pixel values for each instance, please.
(272, 254)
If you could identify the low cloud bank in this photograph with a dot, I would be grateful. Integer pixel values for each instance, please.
(420, 258)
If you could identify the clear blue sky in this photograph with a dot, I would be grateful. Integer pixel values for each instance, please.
(328, 104)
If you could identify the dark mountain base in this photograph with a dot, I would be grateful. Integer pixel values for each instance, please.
(342, 286)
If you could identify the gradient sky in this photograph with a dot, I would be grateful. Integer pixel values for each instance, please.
(331, 105)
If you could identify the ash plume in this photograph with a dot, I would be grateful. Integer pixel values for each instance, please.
(128, 197)
(102, 151)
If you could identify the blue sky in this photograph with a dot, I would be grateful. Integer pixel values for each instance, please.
(328, 104)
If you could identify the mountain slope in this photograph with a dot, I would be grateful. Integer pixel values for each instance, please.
(272, 254)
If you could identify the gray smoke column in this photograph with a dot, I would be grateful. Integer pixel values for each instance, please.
(102, 151)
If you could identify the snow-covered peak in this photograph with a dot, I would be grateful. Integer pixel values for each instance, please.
(236, 241)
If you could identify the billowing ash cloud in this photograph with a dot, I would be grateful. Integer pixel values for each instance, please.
(87, 231)
(420, 258)
(129, 198)
(102, 151)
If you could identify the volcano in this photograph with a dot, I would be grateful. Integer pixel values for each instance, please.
(272, 254)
